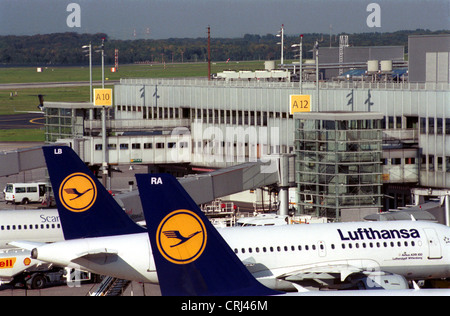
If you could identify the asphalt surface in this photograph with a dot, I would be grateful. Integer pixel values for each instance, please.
(22, 121)
(134, 289)
(31, 85)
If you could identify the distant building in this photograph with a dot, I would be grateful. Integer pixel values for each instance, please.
(429, 58)
(195, 124)
(358, 56)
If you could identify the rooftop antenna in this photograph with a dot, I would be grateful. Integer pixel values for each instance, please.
(331, 28)
(343, 42)
(209, 52)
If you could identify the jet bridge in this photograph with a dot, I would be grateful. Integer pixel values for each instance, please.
(16, 161)
(204, 188)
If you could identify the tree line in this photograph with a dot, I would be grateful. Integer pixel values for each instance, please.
(65, 48)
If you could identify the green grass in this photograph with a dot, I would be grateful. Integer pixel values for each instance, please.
(22, 135)
(26, 99)
(169, 70)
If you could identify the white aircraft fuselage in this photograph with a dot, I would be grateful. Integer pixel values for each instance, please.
(32, 225)
(413, 249)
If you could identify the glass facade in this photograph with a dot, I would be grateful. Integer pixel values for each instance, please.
(58, 124)
(338, 164)
(65, 122)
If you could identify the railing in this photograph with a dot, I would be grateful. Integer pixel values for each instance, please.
(411, 134)
(401, 174)
(133, 124)
(111, 286)
(306, 85)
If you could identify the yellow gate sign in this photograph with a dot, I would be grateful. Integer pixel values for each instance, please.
(300, 103)
(103, 97)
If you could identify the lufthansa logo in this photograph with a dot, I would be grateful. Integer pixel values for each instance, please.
(181, 237)
(78, 192)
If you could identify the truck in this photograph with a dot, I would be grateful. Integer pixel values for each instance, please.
(20, 270)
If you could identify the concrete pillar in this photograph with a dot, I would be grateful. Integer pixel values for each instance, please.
(447, 210)
(283, 195)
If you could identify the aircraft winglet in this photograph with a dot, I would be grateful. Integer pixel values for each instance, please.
(85, 207)
(191, 257)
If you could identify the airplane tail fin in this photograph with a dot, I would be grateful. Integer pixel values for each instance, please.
(191, 257)
(85, 207)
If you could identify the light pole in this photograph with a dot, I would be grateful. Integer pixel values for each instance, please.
(90, 69)
(300, 45)
(91, 111)
(316, 48)
(281, 34)
(104, 143)
(103, 63)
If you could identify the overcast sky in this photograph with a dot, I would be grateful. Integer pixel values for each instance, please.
(158, 19)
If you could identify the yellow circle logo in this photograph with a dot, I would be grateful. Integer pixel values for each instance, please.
(78, 192)
(181, 237)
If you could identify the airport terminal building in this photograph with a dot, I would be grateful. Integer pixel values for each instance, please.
(190, 125)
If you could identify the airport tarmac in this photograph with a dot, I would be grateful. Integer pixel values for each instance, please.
(134, 289)
(22, 121)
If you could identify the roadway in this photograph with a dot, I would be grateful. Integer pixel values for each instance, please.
(32, 85)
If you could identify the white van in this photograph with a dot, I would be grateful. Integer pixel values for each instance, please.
(24, 192)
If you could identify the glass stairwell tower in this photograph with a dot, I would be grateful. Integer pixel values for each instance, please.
(338, 164)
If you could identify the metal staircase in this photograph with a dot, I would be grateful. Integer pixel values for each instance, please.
(111, 287)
